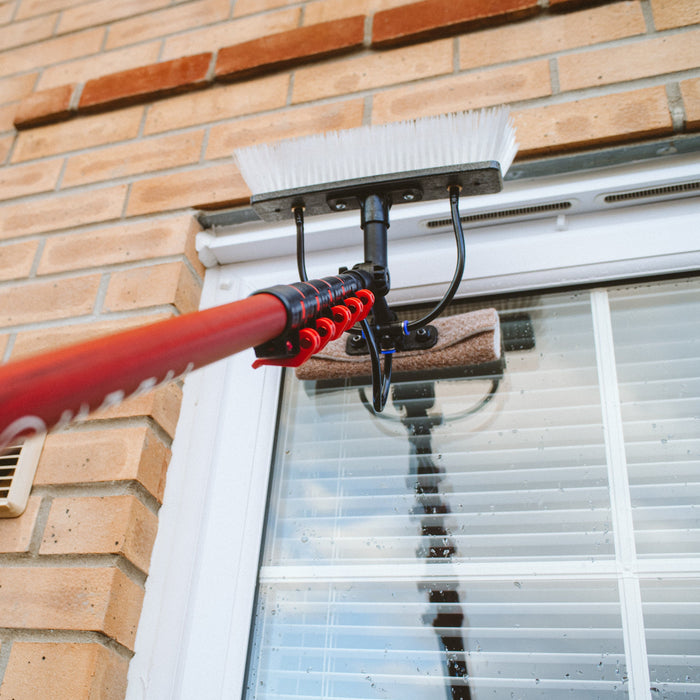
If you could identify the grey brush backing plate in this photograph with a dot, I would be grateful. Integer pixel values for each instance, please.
(417, 186)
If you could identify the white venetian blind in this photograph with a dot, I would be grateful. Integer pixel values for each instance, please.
(476, 557)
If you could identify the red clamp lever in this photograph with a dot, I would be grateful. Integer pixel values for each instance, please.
(367, 299)
(309, 343)
(325, 329)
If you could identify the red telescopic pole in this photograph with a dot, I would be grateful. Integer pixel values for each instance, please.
(52, 389)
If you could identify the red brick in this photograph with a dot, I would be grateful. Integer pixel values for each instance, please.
(435, 18)
(95, 599)
(690, 91)
(72, 671)
(593, 122)
(45, 107)
(146, 83)
(101, 525)
(290, 48)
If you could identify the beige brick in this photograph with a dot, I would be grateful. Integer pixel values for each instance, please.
(84, 132)
(690, 91)
(229, 33)
(156, 285)
(550, 34)
(374, 70)
(218, 103)
(675, 13)
(16, 259)
(326, 10)
(96, 599)
(470, 91)
(16, 533)
(168, 21)
(61, 212)
(6, 11)
(7, 116)
(51, 51)
(593, 122)
(101, 525)
(116, 244)
(212, 187)
(17, 87)
(162, 405)
(21, 180)
(115, 454)
(72, 671)
(42, 301)
(631, 61)
(84, 69)
(100, 12)
(33, 342)
(5, 146)
(27, 32)
(137, 157)
(223, 139)
(30, 8)
(249, 7)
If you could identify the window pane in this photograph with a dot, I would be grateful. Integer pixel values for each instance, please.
(394, 550)
(657, 348)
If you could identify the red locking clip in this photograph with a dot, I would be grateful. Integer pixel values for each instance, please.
(309, 343)
(367, 299)
(342, 319)
(325, 329)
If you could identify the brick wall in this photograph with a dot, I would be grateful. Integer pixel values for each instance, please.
(117, 121)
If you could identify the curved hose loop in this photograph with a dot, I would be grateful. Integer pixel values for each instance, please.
(301, 255)
(381, 376)
(459, 269)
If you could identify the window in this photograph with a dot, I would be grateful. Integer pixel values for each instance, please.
(640, 582)
(512, 550)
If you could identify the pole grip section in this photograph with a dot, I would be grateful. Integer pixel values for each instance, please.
(54, 388)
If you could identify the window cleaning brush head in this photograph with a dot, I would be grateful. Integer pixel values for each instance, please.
(409, 161)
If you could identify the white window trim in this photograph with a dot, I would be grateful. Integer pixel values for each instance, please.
(193, 635)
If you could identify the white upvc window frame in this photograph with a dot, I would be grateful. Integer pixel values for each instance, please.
(193, 634)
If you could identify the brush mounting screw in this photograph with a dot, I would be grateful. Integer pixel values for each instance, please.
(340, 205)
(423, 335)
(356, 341)
(408, 196)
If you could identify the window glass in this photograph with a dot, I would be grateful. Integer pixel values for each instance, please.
(470, 551)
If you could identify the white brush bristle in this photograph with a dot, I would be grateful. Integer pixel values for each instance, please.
(401, 147)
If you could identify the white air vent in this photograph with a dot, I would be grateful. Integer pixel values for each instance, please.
(681, 189)
(18, 464)
(534, 211)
